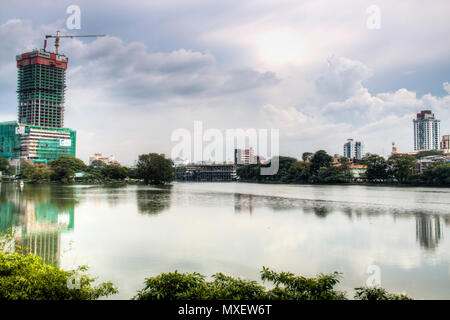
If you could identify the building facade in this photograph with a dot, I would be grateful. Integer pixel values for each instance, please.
(353, 149)
(426, 131)
(244, 156)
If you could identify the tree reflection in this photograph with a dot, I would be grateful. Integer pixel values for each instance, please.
(153, 201)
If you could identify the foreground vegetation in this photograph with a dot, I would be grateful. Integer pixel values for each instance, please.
(25, 276)
(318, 167)
(287, 286)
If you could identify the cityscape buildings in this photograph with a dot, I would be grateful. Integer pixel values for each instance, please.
(39, 134)
(353, 149)
(426, 131)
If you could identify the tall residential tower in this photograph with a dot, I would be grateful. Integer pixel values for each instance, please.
(426, 131)
(353, 149)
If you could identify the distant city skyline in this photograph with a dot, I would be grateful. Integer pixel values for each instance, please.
(164, 65)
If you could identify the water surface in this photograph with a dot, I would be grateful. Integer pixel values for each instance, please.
(126, 234)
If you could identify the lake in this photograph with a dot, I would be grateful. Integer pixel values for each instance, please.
(128, 233)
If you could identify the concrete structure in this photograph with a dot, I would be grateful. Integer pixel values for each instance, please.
(426, 131)
(244, 156)
(353, 149)
(105, 159)
(445, 144)
(38, 136)
(215, 172)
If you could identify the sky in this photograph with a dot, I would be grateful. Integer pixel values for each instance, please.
(318, 71)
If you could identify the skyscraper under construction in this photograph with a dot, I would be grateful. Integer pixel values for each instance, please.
(41, 85)
(39, 134)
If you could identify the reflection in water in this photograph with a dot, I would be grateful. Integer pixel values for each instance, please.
(37, 215)
(243, 203)
(429, 231)
(153, 201)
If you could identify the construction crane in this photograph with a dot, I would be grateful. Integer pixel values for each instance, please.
(57, 37)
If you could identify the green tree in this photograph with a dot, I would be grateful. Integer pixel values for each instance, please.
(377, 167)
(65, 167)
(307, 156)
(4, 164)
(438, 174)
(115, 172)
(36, 172)
(402, 166)
(155, 169)
(319, 160)
(299, 172)
(334, 174)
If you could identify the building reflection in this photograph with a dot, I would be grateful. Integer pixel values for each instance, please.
(429, 231)
(36, 216)
(243, 203)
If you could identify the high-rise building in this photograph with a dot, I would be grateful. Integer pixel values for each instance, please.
(41, 86)
(38, 136)
(426, 131)
(353, 149)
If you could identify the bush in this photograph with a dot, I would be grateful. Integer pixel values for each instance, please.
(377, 293)
(27, 277)
(287, 286)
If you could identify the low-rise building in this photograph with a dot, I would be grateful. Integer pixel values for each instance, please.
(214, 172)
(105, 159)
(358, 171)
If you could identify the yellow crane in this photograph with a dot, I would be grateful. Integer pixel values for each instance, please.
(57, 37)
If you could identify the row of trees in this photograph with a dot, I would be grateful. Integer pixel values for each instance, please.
(314, 168)
(151, 168)
(318, 167)
(401, 168)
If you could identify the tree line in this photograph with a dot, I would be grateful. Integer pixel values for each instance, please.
(151, 168)
(318, 167)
